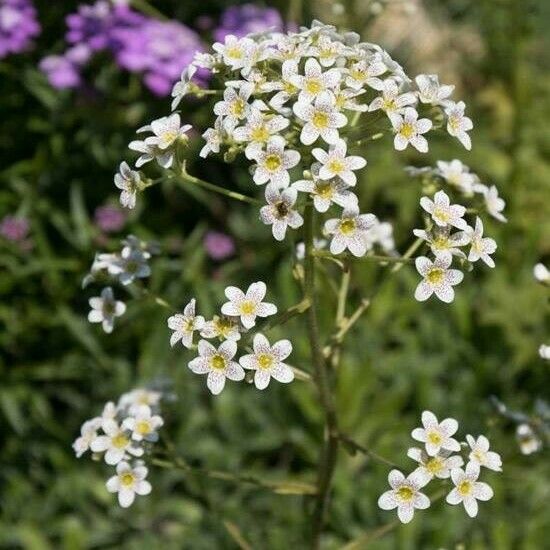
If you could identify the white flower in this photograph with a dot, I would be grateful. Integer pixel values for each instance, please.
(366, 72)
(128, 181)
(274, 163)
(381, 233)
(494, 204)
(109, 412)
(346, 99)
(257, 131)
(457, 174)
(481, 455)
(408, 129)
(321, 118)
(225, 328)
(315, 81)
(349, 231)
(134, 399)
(218, 364)
(236, 52)
(286, 89)
(213, 137)
(248, 306)
(88, 432)
(439, 466)
(143, 424)
(431, 92)
(468, 490)
(267, 361)
(167, 131)
(115, 443)
(234, 106)
(326, 51)
(279, 212)
(544, 352)
(541, 273)
(435, 435)
(105, 308)
(438, 278)
(149, 153)
(458, 124)
(182, 87)
(404, 495)
(443, 243)
(528, 441)
(391, 101)
(130, 265)
(443, 213)
(185, 324)
(481, 247)
(336, 163)
(129, 482)
(325, 193)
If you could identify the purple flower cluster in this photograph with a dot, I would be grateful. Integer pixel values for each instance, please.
(159, 50)
(18, 26)
(219, 246)
(248, 18)
(109, 219)
(16, 229)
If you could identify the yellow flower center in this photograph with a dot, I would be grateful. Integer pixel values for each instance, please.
(143, 427)
(347, 226)
(434, 465)
(320, 119)
(465, 487)
(127, 479)
(389, 105)
(324, 190)
(477, 246)
(234, 53)
(272, 162)
(441, 243)
(120, 441)
(454, 123)
(407, 130)
(168, 137)
(218, 362)
(479, 456)
(435, 276)
(313, 86)
(434, 437)
(259, 134)
(405, 493)
(336, 166)
(441, 214)
(289, 88)
(247, 307)
(265, 361)
(237, 107)
(357, 74)
(223, 326)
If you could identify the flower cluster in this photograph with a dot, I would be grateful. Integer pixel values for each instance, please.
(126, 266)
(238, 315)
(18, 26)
(16, 230)
(121, 436)
(159, 50)
(436, 460)
(447, 230)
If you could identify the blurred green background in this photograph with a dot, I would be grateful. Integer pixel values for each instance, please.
(58, 154)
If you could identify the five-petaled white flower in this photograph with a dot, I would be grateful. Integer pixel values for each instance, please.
(185, 324)
(437, 435)
(248, 306)
(468, 490)
(366, 72)
(481, 247)
(213, 137)
(236, 52)
(225, 328)
(481, 455)
(217, 363)
(314, 81)
(321, 119)
(404, 495)
(349, 231)
(279, 211)
(128, 482)
(438, 278)
(494, 204)
(130, 265)
(431, 92)
(105, 308)
(443, 212)
(442, 242)
(267, 361)
(457, 174)
(134, 399)
(116, 443)
(143, 424)
(167, 130)
(234, 106)
(408, 129)
(391, 101)
(128, 181)
(438, 466)
(458, 125)
(336, 163)
(325, 193)
(273, 164)
(88, 432)
(183, 86)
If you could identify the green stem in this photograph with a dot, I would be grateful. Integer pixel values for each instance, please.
(369, 257)
(329, 453)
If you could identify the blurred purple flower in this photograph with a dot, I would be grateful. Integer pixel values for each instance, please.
(109, 218)
(219, 246)
(63, 71)
(248, 18)
(18, 26)
(14, 229)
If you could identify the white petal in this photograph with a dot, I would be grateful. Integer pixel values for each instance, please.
(215, 382)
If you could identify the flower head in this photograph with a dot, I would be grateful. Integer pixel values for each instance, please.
(128, 181)
(349, 231)
(335, 163)
(481, 455)
(481, 247)
(408, 129)
(468, 490)
(143, 424)
(438, 278)
(88, 432)
(392, 102)
(273, 164)
(116, 443)
(184, 325)
(437, 435)
(327, 192)
(431, 92)
(438, 466)
(105, 309)
(128, 482)
(248, 306)
(279, 211)
(443, 213)
(458, 124)
(225, 328)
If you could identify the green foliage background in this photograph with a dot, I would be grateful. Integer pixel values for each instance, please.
(58, 153)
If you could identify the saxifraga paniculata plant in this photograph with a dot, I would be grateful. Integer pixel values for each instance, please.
(299, 107)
